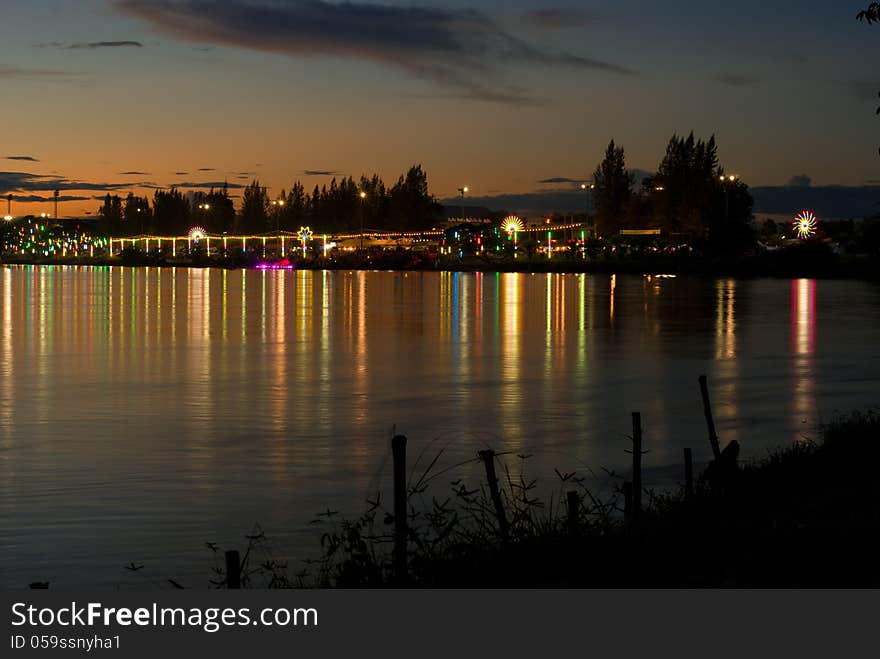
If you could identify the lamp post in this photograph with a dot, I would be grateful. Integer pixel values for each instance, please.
(588, 189)
(8, 206)
(279, 208)
(724, 180)
(363, 196)
(463, 191)
(56, 194)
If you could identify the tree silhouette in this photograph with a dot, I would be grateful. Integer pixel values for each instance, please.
(254, 209)
(612, 190)
(871, 15)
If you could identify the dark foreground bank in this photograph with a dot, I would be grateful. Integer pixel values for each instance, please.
(804, 516)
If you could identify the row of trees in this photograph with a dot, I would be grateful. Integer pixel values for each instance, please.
(343, 205)
(690, 195)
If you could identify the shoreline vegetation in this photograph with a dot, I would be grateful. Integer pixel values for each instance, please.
(805, 515)
(810, 261)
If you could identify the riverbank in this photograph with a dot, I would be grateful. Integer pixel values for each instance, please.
(804, 516)
(801, 262)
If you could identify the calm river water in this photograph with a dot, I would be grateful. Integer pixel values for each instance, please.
(145, 412)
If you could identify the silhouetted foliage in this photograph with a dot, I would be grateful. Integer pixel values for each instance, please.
(111, 212)
(171, 213)
(612, 191)
(254, 209)
(871, 14)
(214, 211)
(136, 215)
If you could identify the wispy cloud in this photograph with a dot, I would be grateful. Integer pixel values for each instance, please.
(134, 174)
(462, 50)
(319, 172)
(206, 169)
(28, 182)
(36, 199)
(27, 158)
(93, 45)
(559, 180)
(208, 185)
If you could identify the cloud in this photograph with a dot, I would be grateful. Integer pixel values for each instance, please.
(206, 169)
(181, 173)
(800, 181)
(560, 179)
(557, 18)
(462, 50)
(208, 185)
(134, 174)
(27, 182)
(27, 158)
(736, 79)
(35, 199)
(99, 44)
(319, 172)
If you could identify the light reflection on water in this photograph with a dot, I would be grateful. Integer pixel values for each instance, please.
(144, 412)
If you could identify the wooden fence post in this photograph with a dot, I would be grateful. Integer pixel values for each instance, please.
(398, 451)
(637, 465)
(710, 422)
(488, 458)
(233, 570)
(688, 474)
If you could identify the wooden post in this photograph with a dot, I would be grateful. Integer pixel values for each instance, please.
(488, 458)
(398, 451)
(710, 422)
(627, 501)
(637, 465)
(574, 505)
(233, 570)
(688, 474)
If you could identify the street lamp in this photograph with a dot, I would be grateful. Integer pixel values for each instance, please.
(463, 191)
(363, 196)
(589, 190)
(727, 179)
(279, 207)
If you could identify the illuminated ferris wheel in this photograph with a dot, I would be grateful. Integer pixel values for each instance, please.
(805, 225)
(512, 224)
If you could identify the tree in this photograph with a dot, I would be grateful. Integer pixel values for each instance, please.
(214, 211)
(254, 209)
(612, 191)
(410, 204)
(111, 212)
(136, 215)
(871, 14)
(171, 213)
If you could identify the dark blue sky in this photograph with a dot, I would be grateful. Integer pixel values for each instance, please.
(495, 95)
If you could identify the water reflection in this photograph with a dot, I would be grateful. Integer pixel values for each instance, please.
(803, 348)
(268, 396)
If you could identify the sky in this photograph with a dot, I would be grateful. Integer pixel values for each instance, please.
(508, 98)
